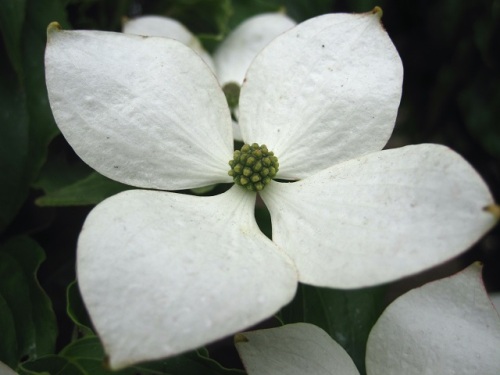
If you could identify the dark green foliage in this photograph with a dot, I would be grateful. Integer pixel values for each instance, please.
(27, 321)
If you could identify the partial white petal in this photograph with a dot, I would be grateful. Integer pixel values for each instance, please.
(168, 28)
(293, 349)
(380, 217)
(445, 327)
(6, 370)
(233, 57)
(324, 92)
(145, 111)
(162, 273)
(158, 26)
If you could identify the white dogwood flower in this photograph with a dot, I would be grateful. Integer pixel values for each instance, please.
(161, 272)
(448, 326)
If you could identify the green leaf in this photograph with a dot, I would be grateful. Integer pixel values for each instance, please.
(89, 191)
(11, 24)
(192, 363)
(50, 365)
(87, 353)
(42, 127)
(31, 311)
(14, 144)
(76, 309)
(207, 19)
(82, 357)
(299, 10)
(8, 343)
(15, 291)
(347, 315)
(241, 10)
(86, 356)
(304, 9)
(58, 172)
(27, 123)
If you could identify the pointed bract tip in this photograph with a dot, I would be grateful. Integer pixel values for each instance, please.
(53, 26)
(378, 11)
(239, 338)
(477, 269)
(493, 209)
(478, 264)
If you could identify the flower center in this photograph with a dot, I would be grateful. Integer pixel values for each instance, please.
(253, 167)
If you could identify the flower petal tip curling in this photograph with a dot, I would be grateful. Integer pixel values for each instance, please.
(493, 209)
(378, 12)
(53, 27)
(478, 264)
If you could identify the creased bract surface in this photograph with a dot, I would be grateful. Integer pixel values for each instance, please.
(445, 327)
(162, 273)
(145, 111)
(323, 92)
(294, 349)
(380, 217)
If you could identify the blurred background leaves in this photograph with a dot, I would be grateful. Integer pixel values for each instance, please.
(450, 96)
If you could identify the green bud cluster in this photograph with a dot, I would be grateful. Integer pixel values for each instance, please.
(253, 167)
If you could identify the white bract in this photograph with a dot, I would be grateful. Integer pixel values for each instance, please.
(169, 28)
(6, 370)
(162, 273)
(233, 56)
(445, 327)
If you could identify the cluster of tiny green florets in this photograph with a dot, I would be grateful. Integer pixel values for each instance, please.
(253, 167)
